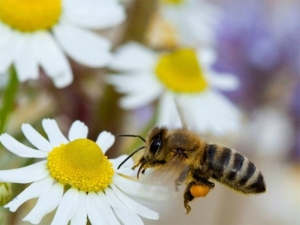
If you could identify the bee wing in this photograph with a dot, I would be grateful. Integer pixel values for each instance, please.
(169, 175)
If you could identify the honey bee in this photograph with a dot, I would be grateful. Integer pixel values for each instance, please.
(202, 161)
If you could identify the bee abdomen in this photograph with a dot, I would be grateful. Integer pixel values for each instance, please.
(231, 168)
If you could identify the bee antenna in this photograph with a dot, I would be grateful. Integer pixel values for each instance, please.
(128, 157)
(131, 135)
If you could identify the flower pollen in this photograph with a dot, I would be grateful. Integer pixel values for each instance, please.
(30, 15)
(180, 71)
(82, 165)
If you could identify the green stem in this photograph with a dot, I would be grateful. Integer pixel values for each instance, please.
(9, 96)
(138, 20)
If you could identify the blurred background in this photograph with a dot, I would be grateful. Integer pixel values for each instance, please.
(256, 40)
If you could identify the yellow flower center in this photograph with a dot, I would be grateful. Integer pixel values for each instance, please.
(30, 15)
(180, 71)
(173, 1)
(82, 165)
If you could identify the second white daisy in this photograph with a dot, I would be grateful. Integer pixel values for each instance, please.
(185, 76)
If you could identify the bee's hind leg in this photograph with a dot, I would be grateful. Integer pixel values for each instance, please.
(187, 193)
(187, 196)
(202, 181)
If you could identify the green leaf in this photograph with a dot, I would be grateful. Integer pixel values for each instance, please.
(9, 96)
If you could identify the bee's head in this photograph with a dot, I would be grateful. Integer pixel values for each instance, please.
(154, 150)
(155, 144)
(162, 146)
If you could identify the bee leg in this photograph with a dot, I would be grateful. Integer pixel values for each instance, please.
(188, 196)
(203, 181)
(142, 160)
(135, 166)
(180, 179)
(177, 184)
(187, 193)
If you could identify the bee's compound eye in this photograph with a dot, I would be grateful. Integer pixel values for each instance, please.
(155, 145)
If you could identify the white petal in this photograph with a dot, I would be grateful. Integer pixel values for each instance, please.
(65, 78)
(67, 207)
(210, 112)
(25, 174)
(167, 112)
(128, 82)
(133, 56)
(127, 172)
(194, 20)
(26, 63)
(49, 54)
(134, 206)
(206, 57)
(35, 190)
(55, 135)
(137, 100)
(83, 46)
(116, 162)
(147, 192)
(104, 206)
(45, 204)
(141, 88)
(6, 34)
(124, 214)
(52, 60)
(193, 32)
(78, 130)
(223, 81)
(9, 50)
(92, 210)
(19, 149)
(134, 82)
(196, 113)
(105, 140)
(94, 14)
(35, 138)
(198, 24)
(80, 216)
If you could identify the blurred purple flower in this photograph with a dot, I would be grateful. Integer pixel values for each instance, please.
(256, 40)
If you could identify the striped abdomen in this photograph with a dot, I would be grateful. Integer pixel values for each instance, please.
(231, 168)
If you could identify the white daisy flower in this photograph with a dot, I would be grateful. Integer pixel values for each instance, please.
(184, 77)
(194, 21)
(37, 33)
(94, 188)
